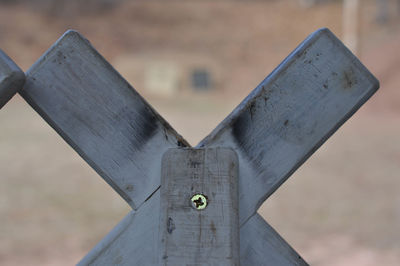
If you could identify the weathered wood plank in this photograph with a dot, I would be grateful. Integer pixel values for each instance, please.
(205, 231)
(261, 245)
(12, 78)
(101, 116)
(291, 114)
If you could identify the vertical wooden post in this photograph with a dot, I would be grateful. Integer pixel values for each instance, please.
(199, 207)
(350, 24)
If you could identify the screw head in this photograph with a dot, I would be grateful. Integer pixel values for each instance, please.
(199, 201)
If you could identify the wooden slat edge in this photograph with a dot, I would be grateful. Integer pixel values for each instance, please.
(12, 78)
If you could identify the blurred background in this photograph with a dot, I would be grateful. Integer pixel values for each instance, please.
(194, 61)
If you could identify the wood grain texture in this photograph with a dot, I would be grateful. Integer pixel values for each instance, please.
(291, 114)
(208, 236)
(101, 116)
(261, 245)
(12, 78)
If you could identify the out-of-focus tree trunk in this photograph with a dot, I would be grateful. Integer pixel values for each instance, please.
(351, 14)
(382, 11)
(307, 3)
(398, 7)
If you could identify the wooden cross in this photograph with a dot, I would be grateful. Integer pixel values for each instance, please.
(194, 206)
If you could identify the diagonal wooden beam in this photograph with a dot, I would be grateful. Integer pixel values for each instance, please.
(101, 116)
(261, 245)
(11, 79)
(291, 114)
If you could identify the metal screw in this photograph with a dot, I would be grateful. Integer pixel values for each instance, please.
(199, 201)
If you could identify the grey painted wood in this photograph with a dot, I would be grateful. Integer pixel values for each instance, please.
(261, 245)
(290, 114)
(11, 78)
(208, 235)
(274, 130)
(101, 116)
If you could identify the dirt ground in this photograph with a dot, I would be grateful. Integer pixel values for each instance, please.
(342, 207)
